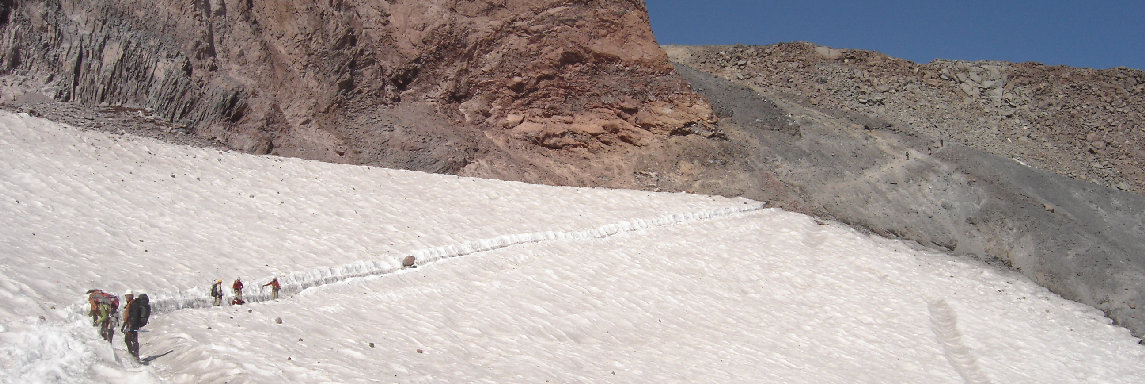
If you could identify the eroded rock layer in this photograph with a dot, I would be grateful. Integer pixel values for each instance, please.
(317, 79)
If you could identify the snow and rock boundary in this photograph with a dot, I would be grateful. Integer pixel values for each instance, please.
(1079, 239)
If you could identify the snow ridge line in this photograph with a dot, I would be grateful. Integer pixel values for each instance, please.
(298, 281)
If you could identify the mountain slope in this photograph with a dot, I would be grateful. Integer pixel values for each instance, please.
(1079, 122)
(1036, 168)
(608, 285)
(868, 167)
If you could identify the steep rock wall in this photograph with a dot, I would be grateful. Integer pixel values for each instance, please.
(287, 76)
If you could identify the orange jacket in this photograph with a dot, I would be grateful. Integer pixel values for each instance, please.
(127, 311)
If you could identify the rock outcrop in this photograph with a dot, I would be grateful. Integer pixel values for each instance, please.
(326, 79)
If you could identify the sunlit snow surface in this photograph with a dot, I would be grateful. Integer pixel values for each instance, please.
(516, 282)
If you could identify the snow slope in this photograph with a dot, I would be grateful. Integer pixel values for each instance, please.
(516, 282)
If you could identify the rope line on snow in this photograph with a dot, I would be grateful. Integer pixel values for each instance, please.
(299, 281)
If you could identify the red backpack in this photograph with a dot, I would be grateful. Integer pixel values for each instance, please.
(96, 297)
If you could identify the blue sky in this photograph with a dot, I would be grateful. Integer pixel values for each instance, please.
(1093, 34)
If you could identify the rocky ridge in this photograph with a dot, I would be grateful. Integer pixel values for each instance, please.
(1083, 123)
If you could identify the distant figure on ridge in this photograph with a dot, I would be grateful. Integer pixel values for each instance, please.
(217, 292)
(274, 287)
(238, 288)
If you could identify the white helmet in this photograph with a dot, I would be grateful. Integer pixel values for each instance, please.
(127, 293)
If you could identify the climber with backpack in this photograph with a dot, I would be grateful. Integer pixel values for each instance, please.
(217, 292)
(135, 315)
(274, 287)
(107, 320)
(97, 297)
(238, 288)
(104, 312)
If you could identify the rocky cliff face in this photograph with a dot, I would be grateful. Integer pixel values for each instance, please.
(332, 80)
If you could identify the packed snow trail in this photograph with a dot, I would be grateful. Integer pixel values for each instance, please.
(76, 336)
(767, 296)
(90, 210)
(65, 351)
(162, 302)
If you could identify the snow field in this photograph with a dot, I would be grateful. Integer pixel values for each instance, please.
(741, 299)
(85, 217)
(516, 282)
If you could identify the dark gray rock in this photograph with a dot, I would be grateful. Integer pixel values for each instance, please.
(1081, 240)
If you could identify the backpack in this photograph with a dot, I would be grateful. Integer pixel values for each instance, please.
(105, 312)
(97, 297)
(142, 307)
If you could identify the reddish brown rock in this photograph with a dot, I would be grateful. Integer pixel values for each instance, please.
(354, 80)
